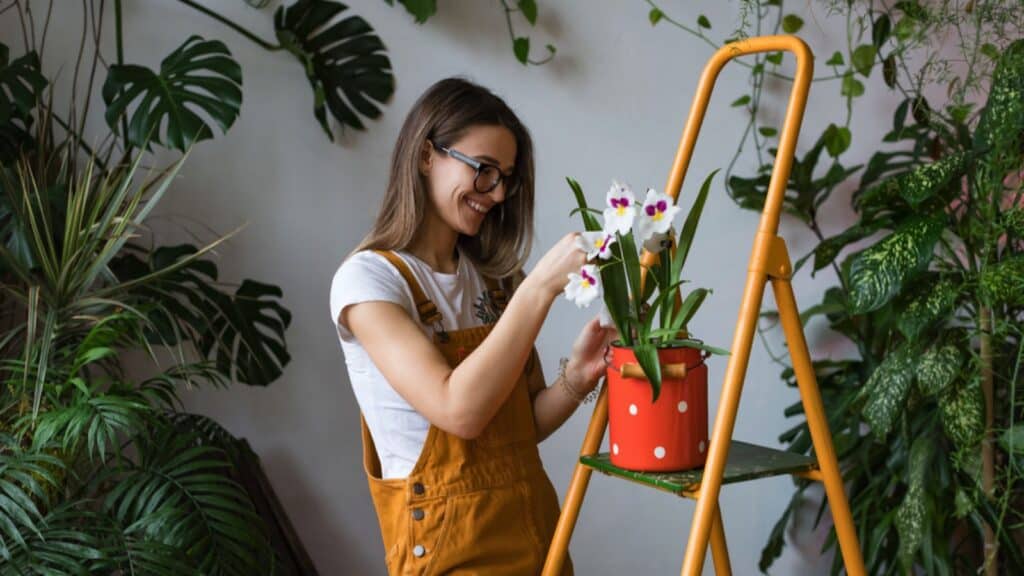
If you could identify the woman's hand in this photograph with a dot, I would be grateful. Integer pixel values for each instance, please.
(551, 273)
(589, 357)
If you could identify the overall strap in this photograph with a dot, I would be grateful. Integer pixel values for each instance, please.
(428, 312)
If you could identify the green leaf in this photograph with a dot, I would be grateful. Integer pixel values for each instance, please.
(1012, 439)
(774, 58)
(886, 391)
(835, 60)
(792, 23)
(926, 181)
(933, 302)
(911, 514)
(741, 101)
(990, 50)
(889, 71)
(904, 29)
(767, 131)
(421, 10)
(703, 22)
(344, 60)
(1002, 120)
(529, 10)
(689, 229)
(243, 332)
(199, 76)
(921, 110)
(616, 291)
(837, 139)
(521, 48)
(827, 251)
(655, 16)
(864, 59)
(963, 413)
(688, 308)
(647, 357)
(880, 272)
(881, 28)
(937, 368)
(20, 83)
(1001, 282)
(851, 86)
(181, 488)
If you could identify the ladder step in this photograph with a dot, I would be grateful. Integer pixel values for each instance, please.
(745, 462)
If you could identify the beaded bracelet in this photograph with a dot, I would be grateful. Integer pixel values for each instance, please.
(570, 390)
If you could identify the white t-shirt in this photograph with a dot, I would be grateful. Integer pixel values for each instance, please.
(398, 430)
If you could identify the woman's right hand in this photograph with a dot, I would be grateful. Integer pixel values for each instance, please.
(551, 273)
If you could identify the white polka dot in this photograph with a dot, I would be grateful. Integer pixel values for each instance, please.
(682, 406)
(615, 449)
(659, 452)
(632, 409)
(701, 446)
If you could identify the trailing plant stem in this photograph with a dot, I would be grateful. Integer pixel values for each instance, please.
(230, 24)
(987, 455)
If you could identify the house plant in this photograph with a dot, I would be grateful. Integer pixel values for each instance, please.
(926, 410)
(657, 377)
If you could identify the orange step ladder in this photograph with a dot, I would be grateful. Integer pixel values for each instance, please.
(730, 461)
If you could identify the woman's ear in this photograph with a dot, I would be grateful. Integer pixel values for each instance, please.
(426, 158)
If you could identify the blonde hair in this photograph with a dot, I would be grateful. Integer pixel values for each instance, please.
(443, 114)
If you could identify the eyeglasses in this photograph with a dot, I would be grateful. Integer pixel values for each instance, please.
(488, 176)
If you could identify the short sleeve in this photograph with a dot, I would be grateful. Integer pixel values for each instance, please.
(365, 277)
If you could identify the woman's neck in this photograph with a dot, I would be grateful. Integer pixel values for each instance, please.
(435, 244)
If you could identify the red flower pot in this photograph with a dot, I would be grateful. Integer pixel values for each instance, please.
(670, 434)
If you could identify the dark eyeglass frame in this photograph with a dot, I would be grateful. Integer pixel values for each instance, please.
(480, 167)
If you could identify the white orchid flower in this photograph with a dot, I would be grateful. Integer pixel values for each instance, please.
(656, 243)
(619, 215)
(585, 287)
(596, 244)
(656, 215)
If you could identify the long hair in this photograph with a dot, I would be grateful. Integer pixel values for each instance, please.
(443, 114)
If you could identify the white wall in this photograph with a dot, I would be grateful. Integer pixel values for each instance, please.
(611, 105)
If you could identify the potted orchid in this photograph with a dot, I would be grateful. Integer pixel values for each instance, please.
(657, 378)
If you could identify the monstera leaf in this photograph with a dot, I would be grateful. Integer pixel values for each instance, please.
(200, 76)
(20, 83)
(242, 333)
(344, 60)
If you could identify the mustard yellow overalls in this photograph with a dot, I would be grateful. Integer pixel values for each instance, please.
(481, 506)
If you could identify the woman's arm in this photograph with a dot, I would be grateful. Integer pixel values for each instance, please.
(553, 405)
(464, 400)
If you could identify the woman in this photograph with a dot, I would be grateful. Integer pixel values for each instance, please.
(437, 323)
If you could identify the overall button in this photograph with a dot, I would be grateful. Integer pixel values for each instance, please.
(418, 551)
(417, 514)
(418, 489)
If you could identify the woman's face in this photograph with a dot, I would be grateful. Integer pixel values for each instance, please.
(453, 196)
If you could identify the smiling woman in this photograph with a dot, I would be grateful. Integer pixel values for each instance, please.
(437, 323)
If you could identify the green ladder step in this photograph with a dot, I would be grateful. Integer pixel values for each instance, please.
(745, 462)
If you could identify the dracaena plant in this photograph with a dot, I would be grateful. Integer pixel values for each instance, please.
(927, 413)
(647, 318)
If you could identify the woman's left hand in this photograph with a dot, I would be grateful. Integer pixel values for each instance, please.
(590, 356)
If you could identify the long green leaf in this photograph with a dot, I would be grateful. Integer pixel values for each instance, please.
(689, 230)
(880, 272)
